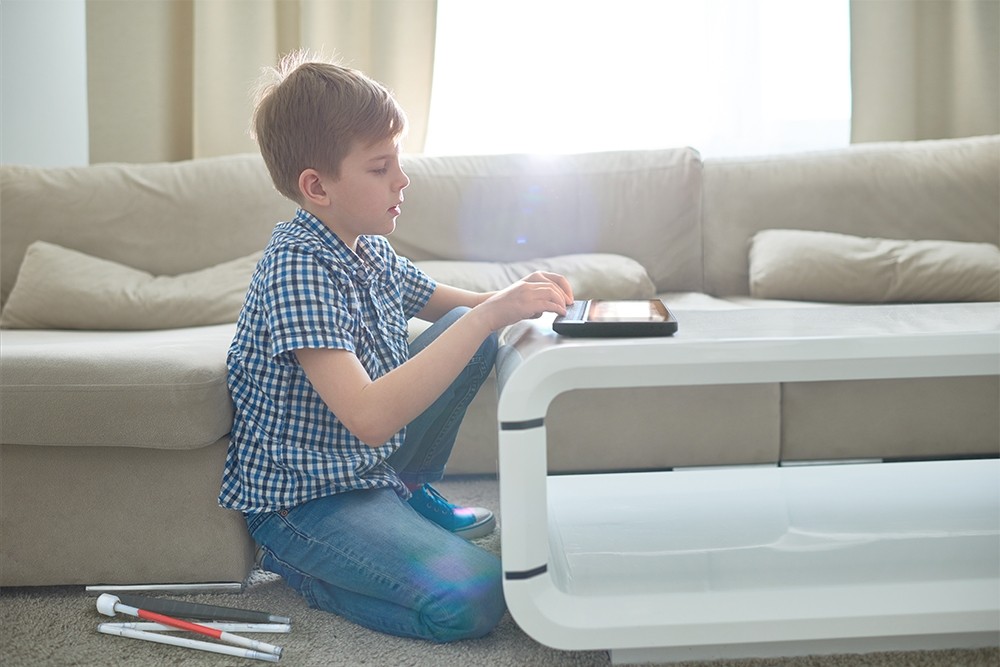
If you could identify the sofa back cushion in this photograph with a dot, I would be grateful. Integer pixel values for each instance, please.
(825, 266)
(925, 190)
(164, 218)
(507, 208)
(173, 218)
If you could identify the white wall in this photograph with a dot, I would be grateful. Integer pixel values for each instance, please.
(43, 82)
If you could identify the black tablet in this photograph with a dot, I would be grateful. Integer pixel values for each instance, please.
(605, 318)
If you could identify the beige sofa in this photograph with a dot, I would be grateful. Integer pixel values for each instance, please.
(120, 283)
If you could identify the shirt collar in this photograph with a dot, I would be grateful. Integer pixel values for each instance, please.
(364, 265)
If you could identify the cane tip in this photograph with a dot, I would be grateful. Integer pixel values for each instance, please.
(106, 604)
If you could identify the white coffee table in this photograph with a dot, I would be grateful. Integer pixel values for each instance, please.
(750, 561)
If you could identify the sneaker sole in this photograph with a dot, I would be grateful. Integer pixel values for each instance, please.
(476, 530)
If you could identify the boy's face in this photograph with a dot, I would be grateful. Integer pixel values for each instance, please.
(365, 199)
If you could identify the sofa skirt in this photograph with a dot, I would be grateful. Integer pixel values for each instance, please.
(117, 515)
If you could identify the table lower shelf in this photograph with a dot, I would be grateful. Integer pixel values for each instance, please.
(769, 559)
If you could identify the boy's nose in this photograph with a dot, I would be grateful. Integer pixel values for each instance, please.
(405, 180)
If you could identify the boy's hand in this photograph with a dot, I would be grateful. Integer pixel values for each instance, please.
(555, 278)
(529, 297)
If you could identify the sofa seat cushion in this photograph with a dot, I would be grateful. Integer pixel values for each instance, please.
(161, 389)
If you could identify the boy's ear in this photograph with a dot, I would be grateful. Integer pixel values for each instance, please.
(312, 188)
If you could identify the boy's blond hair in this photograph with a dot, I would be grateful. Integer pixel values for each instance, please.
(309, 113)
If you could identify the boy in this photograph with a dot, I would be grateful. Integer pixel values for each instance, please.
(339, 424)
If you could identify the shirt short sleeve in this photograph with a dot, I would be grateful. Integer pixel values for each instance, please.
(307, 304)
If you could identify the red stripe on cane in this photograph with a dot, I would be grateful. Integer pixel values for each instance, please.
(178, 623)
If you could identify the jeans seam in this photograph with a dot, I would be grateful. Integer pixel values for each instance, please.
(359, 564)
(307, 578)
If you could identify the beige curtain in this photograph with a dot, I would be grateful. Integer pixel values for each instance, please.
(924, 69)
(170, 79)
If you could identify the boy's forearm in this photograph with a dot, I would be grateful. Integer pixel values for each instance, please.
(401, 395)
(446, 298)
(375, 410)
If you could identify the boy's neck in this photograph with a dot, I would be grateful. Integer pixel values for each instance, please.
(323, 216)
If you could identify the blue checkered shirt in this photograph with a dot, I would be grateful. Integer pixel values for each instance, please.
(310, 291)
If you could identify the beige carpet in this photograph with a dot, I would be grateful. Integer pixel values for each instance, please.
(58, 626)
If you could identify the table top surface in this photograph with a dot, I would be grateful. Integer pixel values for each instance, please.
(760, 345)
(788, 323)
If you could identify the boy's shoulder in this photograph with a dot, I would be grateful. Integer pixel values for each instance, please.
(291, 243)
(291, 238)
(289, 232)
(291, 250)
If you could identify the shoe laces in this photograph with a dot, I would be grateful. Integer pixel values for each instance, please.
(435, 501)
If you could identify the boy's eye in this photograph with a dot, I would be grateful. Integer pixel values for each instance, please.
(381, 171)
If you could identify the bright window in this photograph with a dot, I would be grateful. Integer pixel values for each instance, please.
(728, 77)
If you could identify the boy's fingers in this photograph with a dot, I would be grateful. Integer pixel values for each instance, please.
(562, 283)
(544, 296)
(559, 281)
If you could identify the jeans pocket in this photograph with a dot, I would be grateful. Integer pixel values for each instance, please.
(255, 520)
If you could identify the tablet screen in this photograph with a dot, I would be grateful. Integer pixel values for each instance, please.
(626, 311)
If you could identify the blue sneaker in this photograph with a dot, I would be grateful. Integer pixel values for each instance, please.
(467, 522)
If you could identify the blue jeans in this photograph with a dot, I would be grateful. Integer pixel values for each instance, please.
(369, 557)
